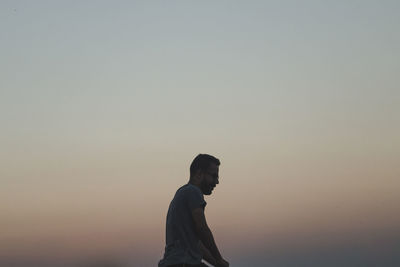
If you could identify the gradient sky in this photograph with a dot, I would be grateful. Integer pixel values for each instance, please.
(104, 104)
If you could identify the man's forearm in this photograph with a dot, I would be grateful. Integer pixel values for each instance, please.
(207, 254)
(207, 239)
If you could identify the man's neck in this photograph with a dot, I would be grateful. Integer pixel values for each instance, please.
(194, 183)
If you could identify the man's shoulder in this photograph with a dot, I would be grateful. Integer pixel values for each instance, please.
(191, 195)
(189, 189)
(187, 192)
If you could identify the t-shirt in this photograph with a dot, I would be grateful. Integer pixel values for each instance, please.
(182, 242)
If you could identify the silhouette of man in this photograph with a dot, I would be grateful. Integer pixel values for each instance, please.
(188, 237)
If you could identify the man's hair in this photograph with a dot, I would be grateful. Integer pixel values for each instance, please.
(202, 162)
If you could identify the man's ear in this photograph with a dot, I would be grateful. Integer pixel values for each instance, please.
(198, 175)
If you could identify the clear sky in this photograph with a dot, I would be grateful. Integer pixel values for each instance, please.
(104, 104)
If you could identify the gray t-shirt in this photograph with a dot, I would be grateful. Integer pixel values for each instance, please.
(182, 242)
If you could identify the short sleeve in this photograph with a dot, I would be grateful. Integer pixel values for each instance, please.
(195, 199)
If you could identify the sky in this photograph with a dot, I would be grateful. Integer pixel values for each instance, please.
(104, 104)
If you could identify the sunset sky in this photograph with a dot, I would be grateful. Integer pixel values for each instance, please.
(104, 104)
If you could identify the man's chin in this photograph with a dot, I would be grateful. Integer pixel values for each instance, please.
(208, 192)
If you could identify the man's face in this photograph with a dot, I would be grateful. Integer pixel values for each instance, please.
(209, 179)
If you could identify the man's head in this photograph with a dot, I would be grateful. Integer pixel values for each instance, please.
(204, 172)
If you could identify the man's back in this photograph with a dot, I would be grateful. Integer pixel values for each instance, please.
(182, 242)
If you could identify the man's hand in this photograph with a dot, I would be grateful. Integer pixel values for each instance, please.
(222, 263)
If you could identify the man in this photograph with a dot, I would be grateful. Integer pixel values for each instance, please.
(188, 237)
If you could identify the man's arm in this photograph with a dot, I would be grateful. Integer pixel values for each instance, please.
(207, 254)
(206, 236)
